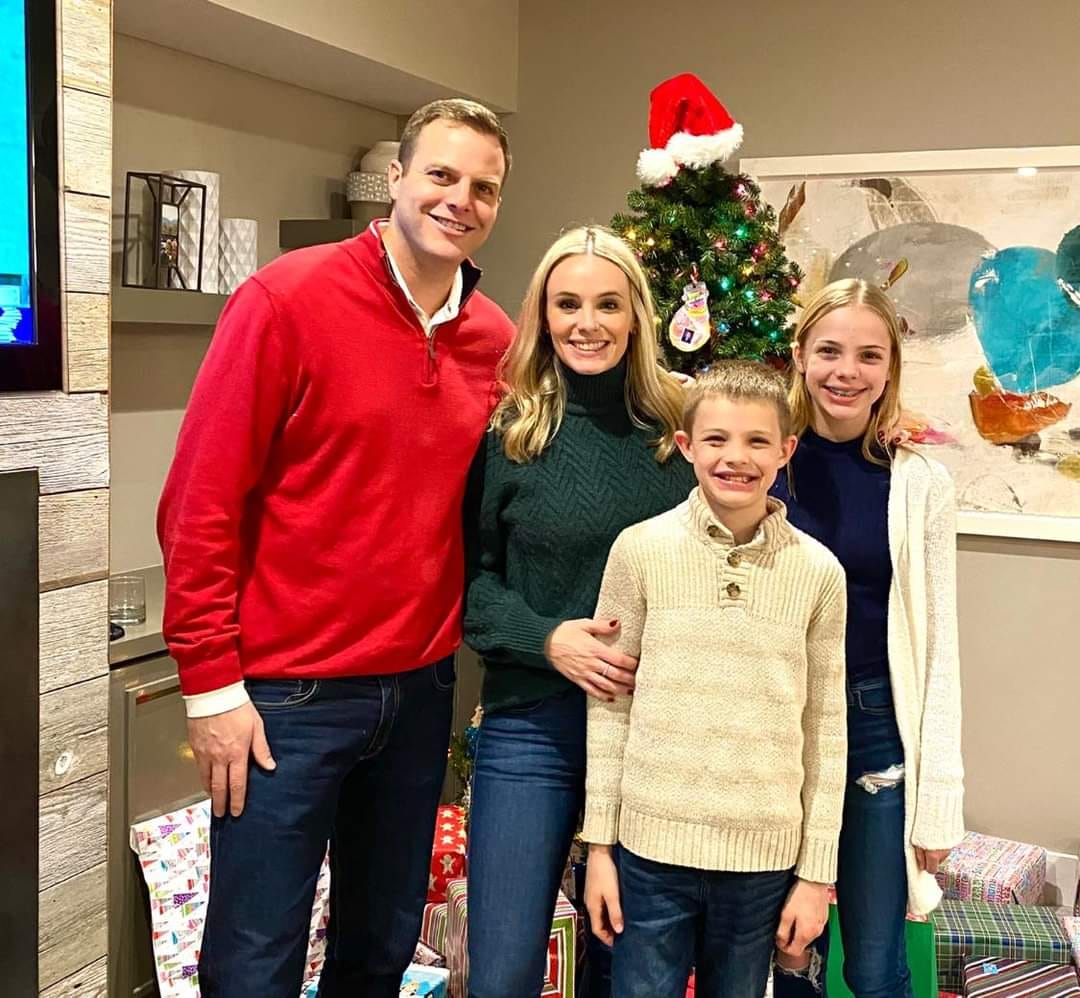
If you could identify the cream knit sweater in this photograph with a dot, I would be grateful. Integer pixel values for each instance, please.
(731, 754)
(924, 661)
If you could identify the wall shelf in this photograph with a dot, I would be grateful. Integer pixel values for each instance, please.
(294, 233)
(361, 52)
(155, 307)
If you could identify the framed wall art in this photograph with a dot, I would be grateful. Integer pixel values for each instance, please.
(980, 250)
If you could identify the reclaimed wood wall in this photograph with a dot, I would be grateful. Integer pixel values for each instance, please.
(65, 435)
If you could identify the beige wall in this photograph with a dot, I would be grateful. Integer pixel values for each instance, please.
(280, 151)
(469, 46)
(822, 78)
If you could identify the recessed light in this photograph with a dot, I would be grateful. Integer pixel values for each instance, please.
(1027, 171)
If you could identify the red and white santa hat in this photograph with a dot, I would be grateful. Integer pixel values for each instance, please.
(688, 126)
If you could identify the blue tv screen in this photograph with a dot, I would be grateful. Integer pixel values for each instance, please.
(30, 341)
(16, 302)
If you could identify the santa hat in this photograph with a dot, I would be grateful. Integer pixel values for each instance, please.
(688, 126)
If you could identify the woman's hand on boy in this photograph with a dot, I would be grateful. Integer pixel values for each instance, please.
(602, 894)
(574, 648)
(803, 919)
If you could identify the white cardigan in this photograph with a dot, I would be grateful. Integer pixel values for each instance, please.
(924, 663)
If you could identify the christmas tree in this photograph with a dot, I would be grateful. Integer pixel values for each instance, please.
(710, 246)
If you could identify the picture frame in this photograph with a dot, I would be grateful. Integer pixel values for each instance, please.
(983, 241)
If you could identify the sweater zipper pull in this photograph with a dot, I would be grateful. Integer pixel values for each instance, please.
(431, 364)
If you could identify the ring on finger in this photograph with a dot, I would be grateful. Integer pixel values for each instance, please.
(605, 672)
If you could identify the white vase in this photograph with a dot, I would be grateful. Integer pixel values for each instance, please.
(238, 258)
(191, 215)
(379, 156)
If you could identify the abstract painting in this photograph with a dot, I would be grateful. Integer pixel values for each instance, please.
(980, 251)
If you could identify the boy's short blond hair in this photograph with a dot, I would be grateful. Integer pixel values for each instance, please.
(740, 381)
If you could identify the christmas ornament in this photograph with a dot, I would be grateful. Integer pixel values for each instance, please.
(689, 328)
(688, 126)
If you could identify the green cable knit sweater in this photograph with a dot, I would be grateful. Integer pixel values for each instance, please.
(538, 534)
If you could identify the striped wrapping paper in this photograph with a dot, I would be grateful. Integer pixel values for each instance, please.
(1019, 979)
(457, 936)
(559, 980)
(984, 868)
(433, 927)
(562, 950)
(966, 930)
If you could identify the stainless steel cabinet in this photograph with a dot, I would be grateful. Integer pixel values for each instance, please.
(151, 772)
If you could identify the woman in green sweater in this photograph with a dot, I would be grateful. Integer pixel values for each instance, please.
(581, 446)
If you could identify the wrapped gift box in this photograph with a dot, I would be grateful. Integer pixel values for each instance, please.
(425, 956)
(174, 855)
(430, 981)
(447, 851)
(984, 868)
(966, 930)
(1071, 925)
(433, 927)
(562, 945)
(1014, 978)
(921, 958)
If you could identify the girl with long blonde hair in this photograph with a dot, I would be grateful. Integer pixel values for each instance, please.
(888, 513)
(581, 446)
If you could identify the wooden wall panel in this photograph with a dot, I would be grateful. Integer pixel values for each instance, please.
(86, 321)
(73, 927)
(90, 982)
(87, 242)
(73, 538)
(74, 635)
(86, 42)
(65, 436)
(87, 143)
(74, 733)
(73, 821)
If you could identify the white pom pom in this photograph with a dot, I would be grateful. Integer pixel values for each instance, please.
(698, 151)
(655, 167)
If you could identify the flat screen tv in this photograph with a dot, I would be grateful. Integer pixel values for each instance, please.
(30, 314)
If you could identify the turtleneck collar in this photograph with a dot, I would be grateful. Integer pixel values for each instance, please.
(595, 393)
(769, 534)
(815, 441)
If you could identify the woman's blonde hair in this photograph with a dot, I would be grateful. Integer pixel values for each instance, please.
(885, 413)
(532, 408)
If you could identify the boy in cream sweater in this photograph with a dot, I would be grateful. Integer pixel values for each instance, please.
(715, 792)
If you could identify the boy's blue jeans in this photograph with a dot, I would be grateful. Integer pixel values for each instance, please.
(677, 918)
(360, 762)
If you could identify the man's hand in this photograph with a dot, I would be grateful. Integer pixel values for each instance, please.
(803, 919)
(602, 894)
(222, 744)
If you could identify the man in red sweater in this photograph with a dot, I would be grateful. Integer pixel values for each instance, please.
(311, 529)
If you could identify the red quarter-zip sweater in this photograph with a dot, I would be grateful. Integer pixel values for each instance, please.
(311, 520)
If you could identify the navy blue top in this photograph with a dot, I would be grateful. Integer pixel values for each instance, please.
(841, 499)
